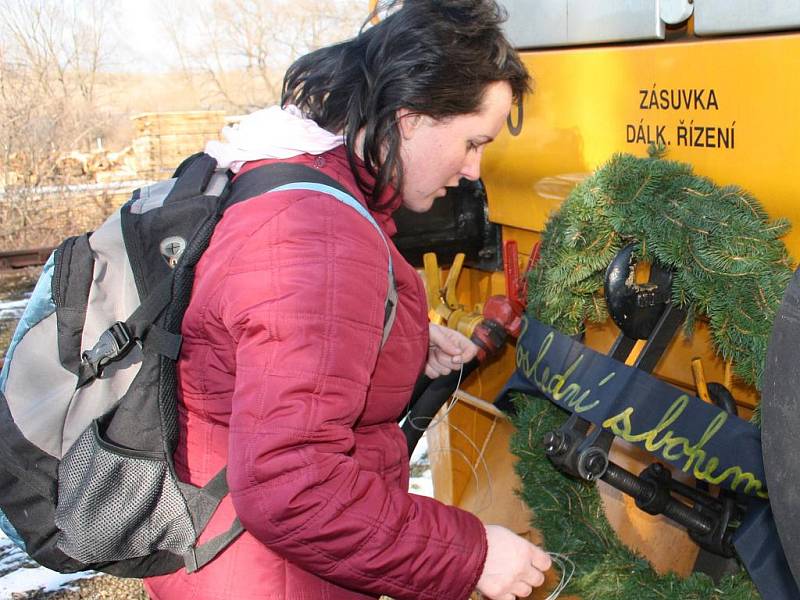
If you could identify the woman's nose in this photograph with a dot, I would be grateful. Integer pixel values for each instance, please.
(472, 165)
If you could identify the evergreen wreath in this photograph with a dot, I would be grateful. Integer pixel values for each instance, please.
(730, 267)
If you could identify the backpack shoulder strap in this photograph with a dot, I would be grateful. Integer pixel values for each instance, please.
(192, 177)
(278, 177)
(274, 175)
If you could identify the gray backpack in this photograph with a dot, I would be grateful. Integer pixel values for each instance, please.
(88, 405)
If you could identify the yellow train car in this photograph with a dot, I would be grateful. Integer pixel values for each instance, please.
(717, 84)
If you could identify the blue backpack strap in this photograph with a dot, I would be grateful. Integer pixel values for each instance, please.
(343, 198)
(390, 306)
(283, 176)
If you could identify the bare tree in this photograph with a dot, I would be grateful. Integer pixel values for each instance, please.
(59, 42)
(239, 49)
(54, 72)
(51, 52)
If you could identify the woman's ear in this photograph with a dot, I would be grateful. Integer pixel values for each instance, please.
(407, 122)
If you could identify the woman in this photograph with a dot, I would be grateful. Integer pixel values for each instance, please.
(283, 374)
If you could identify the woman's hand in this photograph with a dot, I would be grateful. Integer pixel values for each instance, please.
(513, 565)
(448, 350)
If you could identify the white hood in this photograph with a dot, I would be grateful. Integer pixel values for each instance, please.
(272, 132)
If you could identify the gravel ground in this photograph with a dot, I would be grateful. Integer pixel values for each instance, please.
(104, 587)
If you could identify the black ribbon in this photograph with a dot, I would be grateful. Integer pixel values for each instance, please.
(694, 436)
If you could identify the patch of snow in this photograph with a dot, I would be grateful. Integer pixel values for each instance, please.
(422, 484)
(23, 575)
(28, 580)
(421, 451)
(12, 309)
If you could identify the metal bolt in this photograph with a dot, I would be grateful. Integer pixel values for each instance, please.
(592, 464)
(554, 442)
(595, 464)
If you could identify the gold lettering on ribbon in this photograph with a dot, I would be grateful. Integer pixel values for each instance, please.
(660, 440)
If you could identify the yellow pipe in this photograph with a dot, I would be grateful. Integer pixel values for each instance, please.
(450, 283)
(432, 281)
(727, 378)
(700, 380)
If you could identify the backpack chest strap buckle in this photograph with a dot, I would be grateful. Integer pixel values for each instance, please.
(114, 343)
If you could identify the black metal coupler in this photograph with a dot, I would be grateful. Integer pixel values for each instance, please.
(576, 450)
(582, 453)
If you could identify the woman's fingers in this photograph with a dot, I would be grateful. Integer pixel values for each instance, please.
(522, 590)
(452, 348)
(440, 362)
(541, 560)
(510, 568)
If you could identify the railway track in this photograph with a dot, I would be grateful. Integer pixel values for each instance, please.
(30, 257)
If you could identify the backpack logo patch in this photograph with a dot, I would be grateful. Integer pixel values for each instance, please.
(171, 249)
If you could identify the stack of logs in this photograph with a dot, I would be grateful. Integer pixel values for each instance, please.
(163, 140)
(99, 165)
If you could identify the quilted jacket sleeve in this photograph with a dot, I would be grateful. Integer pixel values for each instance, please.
(304, 303)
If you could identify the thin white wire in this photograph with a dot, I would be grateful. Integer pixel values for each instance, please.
(473, 466)
(567, 568)
(562, 561)
(480, 452)
(451, 402)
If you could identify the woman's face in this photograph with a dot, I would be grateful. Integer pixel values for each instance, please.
(437, 154)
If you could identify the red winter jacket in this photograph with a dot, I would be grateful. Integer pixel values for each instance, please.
(283, 379)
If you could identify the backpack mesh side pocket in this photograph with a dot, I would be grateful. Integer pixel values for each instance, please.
(115, 503)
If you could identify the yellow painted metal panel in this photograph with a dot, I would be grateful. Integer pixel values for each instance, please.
(740, 99)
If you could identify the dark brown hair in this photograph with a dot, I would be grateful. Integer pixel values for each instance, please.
(432, 57)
